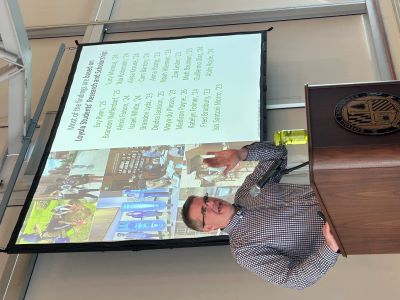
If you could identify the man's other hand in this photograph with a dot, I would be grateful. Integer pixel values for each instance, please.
(330, 240)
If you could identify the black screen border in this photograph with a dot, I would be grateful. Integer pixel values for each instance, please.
(131, 245)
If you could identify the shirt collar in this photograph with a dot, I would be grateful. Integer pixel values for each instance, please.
(236, 217)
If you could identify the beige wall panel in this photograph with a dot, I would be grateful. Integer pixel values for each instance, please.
(8, 223)
(56, 12)
(199, 273)
(314, 51)
(3, 137)
(140, 9)
(3, 261)
(3, 103)
(44, 52)
(318, 51)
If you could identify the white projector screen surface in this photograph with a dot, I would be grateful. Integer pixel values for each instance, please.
(137, 119)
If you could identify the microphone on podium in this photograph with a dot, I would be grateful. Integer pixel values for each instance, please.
(273, 170)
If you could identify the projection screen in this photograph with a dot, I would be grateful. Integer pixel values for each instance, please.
(134, 125)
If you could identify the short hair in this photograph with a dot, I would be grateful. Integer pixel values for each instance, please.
(192, 224)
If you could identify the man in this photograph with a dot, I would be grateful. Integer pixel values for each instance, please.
(276, 234)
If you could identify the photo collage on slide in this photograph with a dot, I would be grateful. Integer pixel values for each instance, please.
(125, 193)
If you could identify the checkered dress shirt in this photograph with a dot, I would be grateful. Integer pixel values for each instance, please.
(278, 234)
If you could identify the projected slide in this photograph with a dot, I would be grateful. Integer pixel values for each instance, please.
(138, 117)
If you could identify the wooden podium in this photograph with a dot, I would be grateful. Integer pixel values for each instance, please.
(354, 149)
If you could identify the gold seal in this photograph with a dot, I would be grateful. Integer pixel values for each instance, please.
(369, 113)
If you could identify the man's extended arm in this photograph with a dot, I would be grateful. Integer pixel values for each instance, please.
(265, 152)
(282, 270)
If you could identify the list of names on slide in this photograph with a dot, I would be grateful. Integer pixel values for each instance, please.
(163, 92)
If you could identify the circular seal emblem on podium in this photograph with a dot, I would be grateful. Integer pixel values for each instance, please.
(369, 113)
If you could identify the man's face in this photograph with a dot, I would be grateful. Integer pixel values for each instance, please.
(215, 212)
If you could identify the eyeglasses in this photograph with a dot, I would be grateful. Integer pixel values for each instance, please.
(204, 208)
